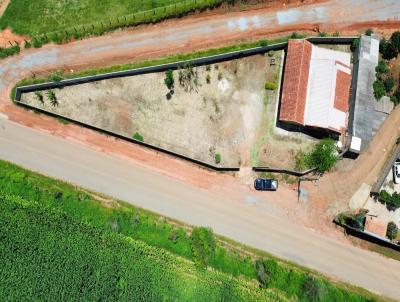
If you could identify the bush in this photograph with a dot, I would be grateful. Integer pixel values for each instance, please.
(138, 137)
(270, 86)
(389, 84)
(392, 201)
(263, 276)
(388, 51)
(10, 51)
(296, 35)
(395, 41)
(202, 244)
(322, 34)
(271, 53)
(369, 32)
(39, 96)
(169, 79)
(379, 89)
(263, 42)
(355, 44)
(311, 289)
(391, 231)
(52, 97)
(208, 79)
(324, 155)
(217, 158)
(382, 67)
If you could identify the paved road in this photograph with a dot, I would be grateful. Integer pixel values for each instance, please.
(240, 221)
(243, 222)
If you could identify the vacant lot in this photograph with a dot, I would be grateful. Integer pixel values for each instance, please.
(42, 16)
(215, 109)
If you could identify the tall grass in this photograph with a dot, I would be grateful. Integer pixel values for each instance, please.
(47, 255)
(61, 21)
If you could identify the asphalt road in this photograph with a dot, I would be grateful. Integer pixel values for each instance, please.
(243, 222)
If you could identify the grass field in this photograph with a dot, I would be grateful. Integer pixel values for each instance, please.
(44, 16)
(49, 256)
(56, 209)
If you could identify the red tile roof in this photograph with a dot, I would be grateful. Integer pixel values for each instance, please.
(294, 90)
(342, 91)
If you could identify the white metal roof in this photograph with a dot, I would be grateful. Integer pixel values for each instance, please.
(320, 111)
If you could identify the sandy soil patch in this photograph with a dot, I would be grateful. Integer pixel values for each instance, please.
(218, 111)
(7, 37)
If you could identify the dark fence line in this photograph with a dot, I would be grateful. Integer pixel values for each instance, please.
(132, 140)
(290, 172)
(176, 65)
(369, 237)
(160, 68)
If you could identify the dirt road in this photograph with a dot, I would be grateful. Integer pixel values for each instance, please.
(184, 191)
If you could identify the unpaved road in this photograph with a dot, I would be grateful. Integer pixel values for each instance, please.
(248, 222)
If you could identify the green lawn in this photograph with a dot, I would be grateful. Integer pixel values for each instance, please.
(55, 209)
(43, 16)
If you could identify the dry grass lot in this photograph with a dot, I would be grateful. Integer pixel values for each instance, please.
(218, 111)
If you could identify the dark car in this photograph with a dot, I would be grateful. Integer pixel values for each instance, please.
(266, 184)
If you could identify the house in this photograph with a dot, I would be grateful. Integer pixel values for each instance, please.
(316, 87)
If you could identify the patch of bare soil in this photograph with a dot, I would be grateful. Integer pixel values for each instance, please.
(215, 109)
(3, 6)
(8, 38)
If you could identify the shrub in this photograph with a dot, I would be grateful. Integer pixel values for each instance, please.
(52, 97)
(138, 137)
(219, 76)
(391, 231)
(369, 32)
(39, 96)
(28, 44)
(208, 79)
(169, 79)
(389, 84)
(382, 67)
(296, 35)
(355, 44)
(271, 53)
(10, 51)
(394, 99)
(263, 276)
(270, 86)
(392, 201)
(395, 40)
(217, 158)
(322, 34)
(263, 42)
(324, 155)
(202, 244)
(388, 51)
(311, 289)
(379, 89)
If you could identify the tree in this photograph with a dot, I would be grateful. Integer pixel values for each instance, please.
(392, 230)
(355, 44)
(389, 51)
(169, 79)
(217, 158)
(389, 84)
(369, 32)
(395, 40)
(324, 155)
(379, 89)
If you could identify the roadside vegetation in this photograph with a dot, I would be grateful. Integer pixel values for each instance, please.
(64, 21)
(387, 83)
(91, 241)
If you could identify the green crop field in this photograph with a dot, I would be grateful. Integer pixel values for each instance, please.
(53, 234)
(43, 16)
